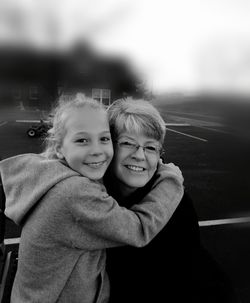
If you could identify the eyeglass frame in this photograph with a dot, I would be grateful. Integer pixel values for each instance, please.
(134, 147)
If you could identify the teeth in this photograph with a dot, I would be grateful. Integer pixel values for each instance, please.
(135, 168)
(96, 164)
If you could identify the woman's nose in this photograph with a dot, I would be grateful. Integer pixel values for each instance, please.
(139, 153)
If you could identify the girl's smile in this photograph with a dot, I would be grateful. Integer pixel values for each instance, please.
(87, 145)
(96, 164)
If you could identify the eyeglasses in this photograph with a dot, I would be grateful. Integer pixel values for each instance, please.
(133, 147)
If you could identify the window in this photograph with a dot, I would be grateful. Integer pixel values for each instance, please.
(102, 95)
(33, 92)
(17, 93)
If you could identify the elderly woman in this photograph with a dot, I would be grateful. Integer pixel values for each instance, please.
(169, 268)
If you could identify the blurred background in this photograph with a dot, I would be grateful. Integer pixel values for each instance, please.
(190, 58)
(174, 47)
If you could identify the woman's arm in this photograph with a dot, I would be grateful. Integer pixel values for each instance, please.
(101, 223)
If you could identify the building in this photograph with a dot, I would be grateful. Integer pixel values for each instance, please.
(35, 80)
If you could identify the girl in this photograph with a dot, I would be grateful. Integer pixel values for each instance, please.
(67, 217)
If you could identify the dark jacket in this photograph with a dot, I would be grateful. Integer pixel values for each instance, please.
(2, 216)
(173, 267)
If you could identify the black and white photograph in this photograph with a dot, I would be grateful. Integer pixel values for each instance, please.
(124, 154)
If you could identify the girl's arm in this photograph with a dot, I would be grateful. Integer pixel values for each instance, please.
(101, 223)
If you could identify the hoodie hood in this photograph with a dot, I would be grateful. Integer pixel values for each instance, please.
(26, 178)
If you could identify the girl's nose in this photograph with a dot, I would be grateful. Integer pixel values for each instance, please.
(96, 149)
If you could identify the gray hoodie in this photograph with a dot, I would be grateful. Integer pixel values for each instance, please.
(67, 222)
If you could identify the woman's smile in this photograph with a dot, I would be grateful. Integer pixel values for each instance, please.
(135, 168)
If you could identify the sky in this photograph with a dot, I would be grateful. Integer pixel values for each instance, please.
(174, 45)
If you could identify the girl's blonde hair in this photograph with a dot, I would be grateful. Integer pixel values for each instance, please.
(135, 115)
(65, 105)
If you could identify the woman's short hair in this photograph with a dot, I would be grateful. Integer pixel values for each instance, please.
(59, 114)
(136, 115)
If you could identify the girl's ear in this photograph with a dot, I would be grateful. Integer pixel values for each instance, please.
(59, 155)
(59, 152)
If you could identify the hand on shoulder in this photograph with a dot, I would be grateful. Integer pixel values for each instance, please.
(169, 170)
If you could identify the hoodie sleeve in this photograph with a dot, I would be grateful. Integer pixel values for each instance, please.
(167, 171)
(99, 222)
(26, 179)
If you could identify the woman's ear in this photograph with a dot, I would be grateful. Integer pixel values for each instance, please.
(161, 160)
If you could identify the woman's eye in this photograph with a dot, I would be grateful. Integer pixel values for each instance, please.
(151, 148)
(127, 144)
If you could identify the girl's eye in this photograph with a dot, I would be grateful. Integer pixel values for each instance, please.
(105, 139)
(82, 140)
